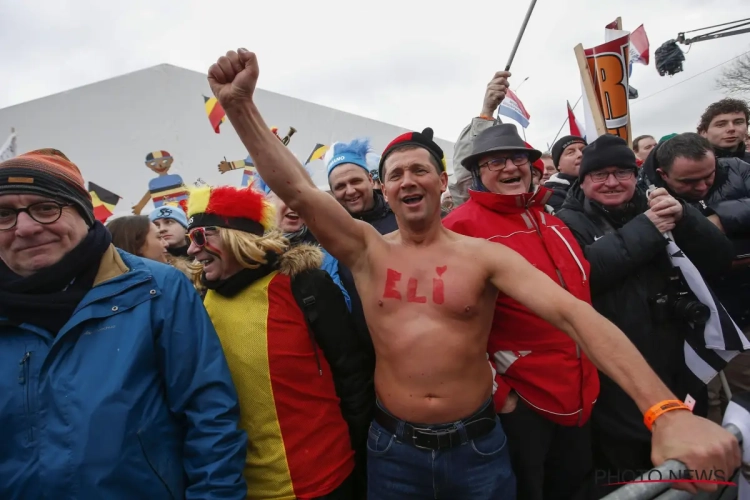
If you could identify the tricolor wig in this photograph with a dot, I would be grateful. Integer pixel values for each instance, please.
(244, 209)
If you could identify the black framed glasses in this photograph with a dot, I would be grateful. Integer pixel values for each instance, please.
(43, 212)
(198, 235)
(602, 175)
(500, 162)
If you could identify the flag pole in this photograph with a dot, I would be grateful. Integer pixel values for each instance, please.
(518, 40)
(520, 35)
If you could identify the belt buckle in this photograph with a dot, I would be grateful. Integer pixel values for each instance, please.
(432, 432)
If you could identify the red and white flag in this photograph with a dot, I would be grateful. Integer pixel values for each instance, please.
(575, 126)
(639, 46)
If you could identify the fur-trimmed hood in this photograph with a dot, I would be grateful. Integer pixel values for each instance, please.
(299, 258)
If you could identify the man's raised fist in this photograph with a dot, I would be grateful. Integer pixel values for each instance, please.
(233, 77)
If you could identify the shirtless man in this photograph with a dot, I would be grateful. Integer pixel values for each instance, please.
(428, 296)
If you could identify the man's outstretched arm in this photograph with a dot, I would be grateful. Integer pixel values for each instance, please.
(699, 443)
(233, 80)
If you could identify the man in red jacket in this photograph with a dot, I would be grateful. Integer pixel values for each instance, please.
(546, 386)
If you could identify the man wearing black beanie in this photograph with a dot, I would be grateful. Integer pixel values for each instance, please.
(607, 151)
(566, 155)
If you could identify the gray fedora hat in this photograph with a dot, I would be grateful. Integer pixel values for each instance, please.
(501, 137)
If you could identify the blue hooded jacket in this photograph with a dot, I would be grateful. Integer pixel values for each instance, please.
(132, 398)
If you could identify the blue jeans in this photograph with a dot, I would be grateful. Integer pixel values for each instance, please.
(478, 469)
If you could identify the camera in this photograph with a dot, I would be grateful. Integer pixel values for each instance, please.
(679, 302)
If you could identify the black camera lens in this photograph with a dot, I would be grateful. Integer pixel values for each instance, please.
(692, 310)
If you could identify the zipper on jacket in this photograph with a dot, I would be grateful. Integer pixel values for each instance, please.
(23, 379)
(575, 257)
(562, 283)
(539, 233)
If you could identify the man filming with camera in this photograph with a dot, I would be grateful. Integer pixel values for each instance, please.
(635, 284)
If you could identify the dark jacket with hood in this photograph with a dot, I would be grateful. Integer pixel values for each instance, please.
(729, 199)
(559, 184)
(629, 267)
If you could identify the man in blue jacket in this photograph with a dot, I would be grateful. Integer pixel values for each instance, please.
(113, 383)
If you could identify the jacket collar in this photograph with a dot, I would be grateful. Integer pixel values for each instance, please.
(561, 178)
(111, 266)
(511, 203)
(378, 211)
(738, 152)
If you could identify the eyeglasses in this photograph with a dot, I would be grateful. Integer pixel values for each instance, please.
(43, 212)
(601, 176)
(198, 235)
(499, 163)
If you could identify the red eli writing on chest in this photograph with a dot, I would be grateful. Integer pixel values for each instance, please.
(415, 291)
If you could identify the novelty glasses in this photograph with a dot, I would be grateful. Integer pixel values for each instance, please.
(198, 235)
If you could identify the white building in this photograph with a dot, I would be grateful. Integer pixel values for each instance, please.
(108, 128)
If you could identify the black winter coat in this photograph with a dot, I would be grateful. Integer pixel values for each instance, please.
(729, 199)
(629, 267)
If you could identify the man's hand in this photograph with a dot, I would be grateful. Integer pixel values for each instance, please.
(664, 205)
(495, 93)
(663, 224)
(700, 444)
(233, 77)
(716, 221)
(510, 402)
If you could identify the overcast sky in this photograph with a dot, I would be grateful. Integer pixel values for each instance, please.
(410, 63)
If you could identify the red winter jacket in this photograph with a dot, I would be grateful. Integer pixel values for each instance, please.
(541, 363)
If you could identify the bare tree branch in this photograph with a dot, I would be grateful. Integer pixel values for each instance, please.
(736, 78)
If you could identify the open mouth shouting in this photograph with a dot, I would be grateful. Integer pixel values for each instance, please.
(412, 199)
(511, 180)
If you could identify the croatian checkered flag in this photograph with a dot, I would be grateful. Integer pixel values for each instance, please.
(706, 355)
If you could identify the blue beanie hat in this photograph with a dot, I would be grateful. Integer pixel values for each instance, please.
(169, 212)
(354, 152)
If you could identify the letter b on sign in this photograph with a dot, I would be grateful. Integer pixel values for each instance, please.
(609, 74)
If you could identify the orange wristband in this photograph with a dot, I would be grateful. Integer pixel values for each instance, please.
(661, 408)
(488, 118)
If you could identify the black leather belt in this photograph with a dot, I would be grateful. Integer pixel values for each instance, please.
(443, 437)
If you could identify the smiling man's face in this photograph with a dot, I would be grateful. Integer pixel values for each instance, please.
(505, 172)
(352, 186)
(30, 246)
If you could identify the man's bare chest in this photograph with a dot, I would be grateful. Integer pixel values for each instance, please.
(435, 287)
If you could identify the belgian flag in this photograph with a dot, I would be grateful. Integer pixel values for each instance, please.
(215, 112)
(317, 153)
(104, 202)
